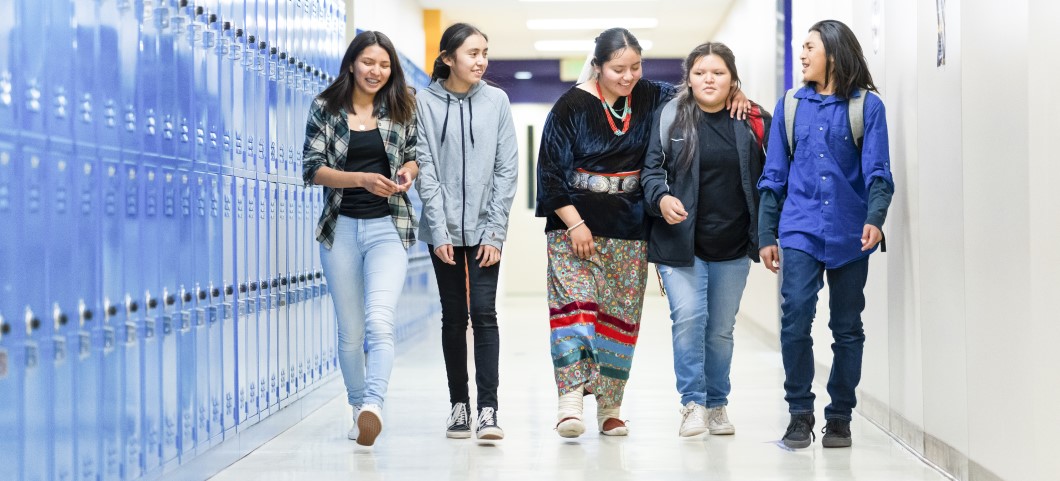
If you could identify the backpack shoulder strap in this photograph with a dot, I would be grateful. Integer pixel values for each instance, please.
(666, 120)
(856, 114)
(790, 104)
(758, 126)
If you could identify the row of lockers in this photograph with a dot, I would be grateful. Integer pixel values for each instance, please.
(160, 284)
(206, 86)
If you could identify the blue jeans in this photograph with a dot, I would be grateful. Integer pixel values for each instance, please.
(365, 269)
(802, 280)
(704, 299)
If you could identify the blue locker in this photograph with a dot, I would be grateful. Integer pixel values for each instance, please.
(183, 87)
(307, 261)
(277, 333)
(61, 217)
(10, 46)
(113, 316)
(186, 364)
(215, 147)
(38, 434)
(288, 351)
(170, 316)
(85, 280)
(296, 329)
(12, 418)
(198, 305)
(88, 380)
(237, 113)
(31, 22)
(151, 323)
(223, 337)
(265, 354)
(200, 87)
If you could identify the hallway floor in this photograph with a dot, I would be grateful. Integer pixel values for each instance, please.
(413, 445)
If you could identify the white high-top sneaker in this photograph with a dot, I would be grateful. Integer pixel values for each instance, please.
(693, 420)
(569, 418)
(718, 421)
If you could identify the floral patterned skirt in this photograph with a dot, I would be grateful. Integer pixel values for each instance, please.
(594, 312)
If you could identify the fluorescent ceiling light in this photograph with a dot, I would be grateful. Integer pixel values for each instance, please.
(524, 75)
(575, 45)
(591, 23)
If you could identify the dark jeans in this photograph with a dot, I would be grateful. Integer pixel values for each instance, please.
(802, 280)
(453, 281)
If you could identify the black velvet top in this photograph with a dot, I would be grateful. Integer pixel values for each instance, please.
(577, 135)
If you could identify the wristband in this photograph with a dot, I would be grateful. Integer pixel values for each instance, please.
(575, 226)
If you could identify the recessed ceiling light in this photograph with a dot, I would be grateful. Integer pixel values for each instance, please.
(523, 75)
(590, 23)
(575, 45)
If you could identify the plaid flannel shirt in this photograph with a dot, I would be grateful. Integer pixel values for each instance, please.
(327, 138)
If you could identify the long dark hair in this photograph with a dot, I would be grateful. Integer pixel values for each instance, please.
(687, 117)
(452, 39)
(395, 96)
(610, 41)
(845, 62)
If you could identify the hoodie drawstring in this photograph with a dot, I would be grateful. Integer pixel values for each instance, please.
(470, 121)
(445, 123)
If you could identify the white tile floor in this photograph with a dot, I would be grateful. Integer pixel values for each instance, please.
(413, 445)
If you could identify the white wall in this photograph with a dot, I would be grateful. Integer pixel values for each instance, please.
(401, 20)
(960, 360)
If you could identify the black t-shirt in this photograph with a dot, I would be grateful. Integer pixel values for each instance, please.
(365, 154)
(722, 218)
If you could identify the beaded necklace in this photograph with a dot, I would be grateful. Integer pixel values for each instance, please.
(627, 112)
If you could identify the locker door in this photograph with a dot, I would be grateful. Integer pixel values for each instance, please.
(11, 362)
(151, 322)
(307, 262)
(238, 110)
(12, 419)
(113, 316)
(223, 332)
(184, 85)
(286, 342)
(218, 314)
(265, 355)
(9, 50)
(88, 381)
(187, 364)
(294, 305)
(169, 312)
(250, 300)
(62, 217)
(211, 28)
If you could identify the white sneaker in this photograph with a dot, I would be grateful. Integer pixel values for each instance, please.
(693, 420)
(718, 421)
(352, 435)
(569, 417)
(369, 424)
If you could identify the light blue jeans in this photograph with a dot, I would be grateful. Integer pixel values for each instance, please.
(704, 299)
(365, 269)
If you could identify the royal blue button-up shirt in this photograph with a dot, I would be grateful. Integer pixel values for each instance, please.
(827, 182)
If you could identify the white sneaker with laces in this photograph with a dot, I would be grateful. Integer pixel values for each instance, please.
(693, 420)
(718, 421)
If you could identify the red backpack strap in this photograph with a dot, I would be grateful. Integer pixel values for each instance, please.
(758, 126)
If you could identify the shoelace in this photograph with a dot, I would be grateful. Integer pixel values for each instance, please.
(834, 428)
(718, 416)
(796, 424)
(459, 415)
(485, 418)
(692, 412)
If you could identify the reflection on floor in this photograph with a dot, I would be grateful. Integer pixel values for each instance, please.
(413, 445)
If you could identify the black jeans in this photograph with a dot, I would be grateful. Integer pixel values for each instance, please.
(453, 281)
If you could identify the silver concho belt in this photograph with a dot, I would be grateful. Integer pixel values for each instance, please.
(619, 183)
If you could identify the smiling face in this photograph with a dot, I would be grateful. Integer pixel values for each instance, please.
(371, 70)
(618, 75)
(814, 61)
(467, 64)
(711, 82)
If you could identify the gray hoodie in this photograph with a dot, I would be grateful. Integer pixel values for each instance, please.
(469, 161)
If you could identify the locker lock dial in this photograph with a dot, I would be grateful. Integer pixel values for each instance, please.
(202, 295)
(187, 297)
(170, 300)
(294, 279)
(228, 290)
(5, 328)
(215, 292)
(272, 51)
(253, 286)
(239, 33)
(152, 303)
(283, 281)
(86, 315)
(199, 10)
(61, 319)
(301, 278)
(242, 288)
(318, 275)
(133, 306)
(33, 323)
(226, 26)
(213, 18)
(262, 45)
(275, 283)
(251, 39)
(112, 310)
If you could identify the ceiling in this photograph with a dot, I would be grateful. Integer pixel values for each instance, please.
(682, 24)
